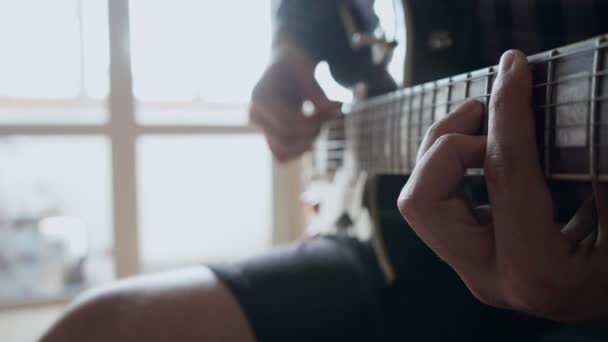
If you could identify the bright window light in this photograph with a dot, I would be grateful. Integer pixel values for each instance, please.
(186, 50)
(53, 49)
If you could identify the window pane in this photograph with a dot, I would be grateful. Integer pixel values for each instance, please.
(55, 216)
(54, 62)
(203, 199)
(205, 51)
(96, 44)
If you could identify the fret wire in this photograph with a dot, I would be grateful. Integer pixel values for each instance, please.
(370, 149)
(555, 104)
(367, 139)
(361, 138)
(449, 97)
(566, 103)
(593, 102)
(536, 85)
(362, 147)
(374, 154)
(379, 140)
(598, 145)
(398, 147)
(410, 108)
(533, 60)
(467, 86)
(580, 125)
(486, 110)
(395, 136)
(389, 137)
(433, 104)
(375, 120)
(420, 111)
(399, 132)
(573, 77)
(390, 141)
(359, 133)
(593, 113)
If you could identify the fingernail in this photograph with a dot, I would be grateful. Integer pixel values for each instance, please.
(512, 60)
(506, 61)
(474, 106)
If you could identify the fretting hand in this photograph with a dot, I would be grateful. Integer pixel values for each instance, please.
(512, 254)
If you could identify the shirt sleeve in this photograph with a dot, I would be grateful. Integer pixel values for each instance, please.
(318, 27)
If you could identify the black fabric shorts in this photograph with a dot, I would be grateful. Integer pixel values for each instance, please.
(330, 288)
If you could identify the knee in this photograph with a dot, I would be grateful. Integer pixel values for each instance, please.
(94, 316)
(182, 305)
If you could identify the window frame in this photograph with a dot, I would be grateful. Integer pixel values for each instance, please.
(122, 130)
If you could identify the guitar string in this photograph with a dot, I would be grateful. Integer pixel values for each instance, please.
(535, 60)
(406, 101)
(430, 88)
(423, 126)
(421, 90)
(374, 121)
(415, 116)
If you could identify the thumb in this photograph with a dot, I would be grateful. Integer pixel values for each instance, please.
(312, 91)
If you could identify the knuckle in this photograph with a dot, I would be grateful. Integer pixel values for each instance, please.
(535, 294)
(447, 141)
(499, 100)
(503, 93)
(497, 167)
(435, 131)
(408, 206)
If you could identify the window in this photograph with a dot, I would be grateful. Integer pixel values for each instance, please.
(197, 61)
(54, 62)
(216, 205)
(105, 179)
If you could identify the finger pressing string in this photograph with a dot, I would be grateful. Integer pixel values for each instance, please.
(582, 224)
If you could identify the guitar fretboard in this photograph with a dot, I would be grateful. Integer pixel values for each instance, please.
(570, 102)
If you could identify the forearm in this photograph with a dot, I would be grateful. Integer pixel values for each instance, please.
(317, 27)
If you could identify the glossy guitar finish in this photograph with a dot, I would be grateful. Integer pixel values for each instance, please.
(372, 148)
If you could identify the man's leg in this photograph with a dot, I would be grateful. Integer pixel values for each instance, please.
(185, 305)
(322, 289)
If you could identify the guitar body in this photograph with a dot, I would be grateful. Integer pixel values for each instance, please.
(355, 189)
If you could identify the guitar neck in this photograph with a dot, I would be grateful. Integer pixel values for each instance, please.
(570, 102)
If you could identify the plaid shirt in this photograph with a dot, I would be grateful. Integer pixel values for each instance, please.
(529, 25)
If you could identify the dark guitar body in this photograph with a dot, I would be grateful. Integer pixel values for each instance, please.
(377, 139)
(454, 24)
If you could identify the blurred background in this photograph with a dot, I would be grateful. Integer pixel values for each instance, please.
(125, 146)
